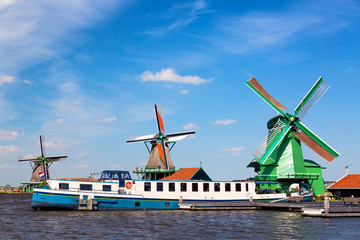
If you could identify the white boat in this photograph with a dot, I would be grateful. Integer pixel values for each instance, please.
(115, 190)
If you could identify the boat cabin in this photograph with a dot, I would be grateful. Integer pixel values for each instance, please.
(115, 175)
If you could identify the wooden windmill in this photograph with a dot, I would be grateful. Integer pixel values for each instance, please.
(280, 156)
(41, 164)
(159, 164)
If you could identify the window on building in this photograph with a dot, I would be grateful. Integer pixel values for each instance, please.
(86, 187)
(159, 186)
(147, 186)
(194, 187)
(183, 187)
(227, 187)
(238, 187)
(107, 188)
(217, 187)
(247, 187)
(206, 187)
(171, 187)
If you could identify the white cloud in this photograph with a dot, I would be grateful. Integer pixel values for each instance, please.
(11, 148)
(60, 120)
(6, 3)
(27, 81)
(107, 120)
(224, 122)
(264, 29)
(35, 30)
(83, 154)
(169, 75)
(180, 16)
(185, 91)
(234, 149)
(8, 135)
(3, 166)
(61, 145)
(6, 79)
(191, 126)
(235, 154)
(83, 166)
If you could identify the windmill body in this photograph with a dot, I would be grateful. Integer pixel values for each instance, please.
(279, 158)
(159, 164)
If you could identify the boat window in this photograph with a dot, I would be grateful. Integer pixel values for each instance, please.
(227, 187)
(183, 187)
(238, 187)
(167, 204)
(87, 187)
(147, 186)
(64, 186)
(159, 186)
(217, 187)
(194, 187)
(206, 187)
(126, 176)
(171, 187)
(247, 187)
(107, 188)
(137, 204)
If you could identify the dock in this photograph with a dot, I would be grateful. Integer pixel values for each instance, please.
(324, 209)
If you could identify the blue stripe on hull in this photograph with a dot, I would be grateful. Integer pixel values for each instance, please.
(70, 202)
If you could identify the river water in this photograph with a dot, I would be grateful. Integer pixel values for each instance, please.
(19, 221)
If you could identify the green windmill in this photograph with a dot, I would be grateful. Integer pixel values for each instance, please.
(280, 158)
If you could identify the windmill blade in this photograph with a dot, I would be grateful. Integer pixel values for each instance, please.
(177, 138)
(55, 159)
(258, 89)
(159, 121)
(273, 143)
(315, 143)
(39, 159)
(42, 149)
(141, 138)
(180, 134)
(29, 159)
(319, 88)
(162, 153)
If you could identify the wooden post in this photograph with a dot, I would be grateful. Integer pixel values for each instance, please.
(326, 204)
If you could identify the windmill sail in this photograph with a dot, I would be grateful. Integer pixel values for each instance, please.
(256, 86)
(315, 93)
(41, 164)
(159, 154)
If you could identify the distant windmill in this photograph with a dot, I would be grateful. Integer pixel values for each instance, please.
(159, 153)
(41, 164)
(347, 169)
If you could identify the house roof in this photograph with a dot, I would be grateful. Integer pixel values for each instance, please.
(182, 174)
(350, 181)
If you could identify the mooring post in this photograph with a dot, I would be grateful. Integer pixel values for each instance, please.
(326, 204)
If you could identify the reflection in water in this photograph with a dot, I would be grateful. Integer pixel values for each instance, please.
(18, 220)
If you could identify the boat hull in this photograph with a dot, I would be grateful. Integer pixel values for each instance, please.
(49, 200)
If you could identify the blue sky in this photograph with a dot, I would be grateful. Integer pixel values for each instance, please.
(86, 75)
